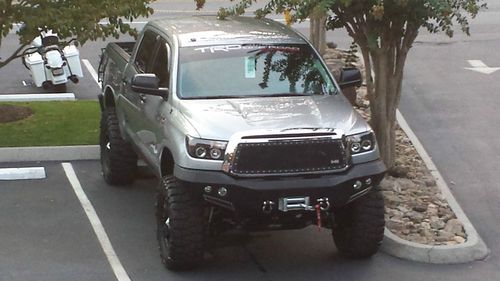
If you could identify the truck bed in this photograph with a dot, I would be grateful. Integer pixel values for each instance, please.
(124, 49)
(119, 54)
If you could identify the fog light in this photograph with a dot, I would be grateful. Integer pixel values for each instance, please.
(208, 189)
(368, 181)
(357, 185)
(222, 191)
(201, 152)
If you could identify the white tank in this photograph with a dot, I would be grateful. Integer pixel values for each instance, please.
(73, 57)
(35, 63)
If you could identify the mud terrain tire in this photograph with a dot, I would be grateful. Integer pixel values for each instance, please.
(118, 159)
(180, 232)
(358, 228)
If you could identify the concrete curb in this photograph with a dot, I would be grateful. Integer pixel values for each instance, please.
(49, 153)
(37, 97)
(473, 249)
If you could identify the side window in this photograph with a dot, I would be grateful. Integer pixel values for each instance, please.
(145, 51)
(161, 64)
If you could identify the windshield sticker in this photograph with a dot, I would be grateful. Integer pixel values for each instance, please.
(228, 48)
(250, 67)
(213, 49)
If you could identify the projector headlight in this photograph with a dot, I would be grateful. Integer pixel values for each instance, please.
(205, 149)
(361, 142)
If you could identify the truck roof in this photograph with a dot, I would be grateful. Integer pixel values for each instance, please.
(208, 30)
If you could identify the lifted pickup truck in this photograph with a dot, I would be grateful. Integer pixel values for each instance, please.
(246, 128)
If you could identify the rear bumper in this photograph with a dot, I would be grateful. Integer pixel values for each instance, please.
(246, 195)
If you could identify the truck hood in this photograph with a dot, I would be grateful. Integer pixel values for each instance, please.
(219, 119)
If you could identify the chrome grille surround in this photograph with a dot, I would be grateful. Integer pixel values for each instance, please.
(242, 145)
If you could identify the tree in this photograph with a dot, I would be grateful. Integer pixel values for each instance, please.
(385, 31)
(68, 18)
(317, 29)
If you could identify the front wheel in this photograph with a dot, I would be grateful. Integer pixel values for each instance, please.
(358, 228)
(180, 227)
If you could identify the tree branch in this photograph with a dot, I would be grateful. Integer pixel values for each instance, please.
(17, 54)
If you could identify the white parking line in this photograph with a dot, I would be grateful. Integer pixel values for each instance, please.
(29, 173)
(92, 71)
(38, 97)
(102, 236)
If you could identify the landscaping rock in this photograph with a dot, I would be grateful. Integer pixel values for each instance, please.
(454, 226)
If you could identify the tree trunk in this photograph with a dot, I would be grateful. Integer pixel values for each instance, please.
(317, 33)
(384, 93)
(384, 60)
(384, 127)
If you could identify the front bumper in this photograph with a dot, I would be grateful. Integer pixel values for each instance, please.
(247, 195)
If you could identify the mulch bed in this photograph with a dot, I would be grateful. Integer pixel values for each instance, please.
(11, 113)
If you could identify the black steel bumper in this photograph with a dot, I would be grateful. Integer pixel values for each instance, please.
(246, 195)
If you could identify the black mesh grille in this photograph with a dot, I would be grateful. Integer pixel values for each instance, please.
(285, 157)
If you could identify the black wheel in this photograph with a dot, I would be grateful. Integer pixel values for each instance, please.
(118, 159)
(180, 226)
(358, 228)
(60, 88)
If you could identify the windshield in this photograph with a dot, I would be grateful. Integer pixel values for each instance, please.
(241, 71)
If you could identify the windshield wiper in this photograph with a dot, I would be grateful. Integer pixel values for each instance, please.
(248, 96)
(216, 97)
(284, 95)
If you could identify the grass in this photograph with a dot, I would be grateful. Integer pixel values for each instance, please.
(54, 124)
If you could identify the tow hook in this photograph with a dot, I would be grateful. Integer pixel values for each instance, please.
(267, 207)
(324, 204)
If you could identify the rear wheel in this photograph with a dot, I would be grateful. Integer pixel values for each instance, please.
(118, 159)
(180, 227)
(358, 228)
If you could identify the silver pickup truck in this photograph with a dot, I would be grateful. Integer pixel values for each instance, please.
(246, 128)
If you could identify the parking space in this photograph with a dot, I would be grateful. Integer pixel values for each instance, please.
(44, 232)
(49, 235)
(128, 216)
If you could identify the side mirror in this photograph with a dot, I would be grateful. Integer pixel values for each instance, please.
(350, 77)
(148, 84)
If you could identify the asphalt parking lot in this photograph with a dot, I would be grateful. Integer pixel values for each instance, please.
(49, 235)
